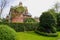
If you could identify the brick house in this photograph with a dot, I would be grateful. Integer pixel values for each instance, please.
(18, 16)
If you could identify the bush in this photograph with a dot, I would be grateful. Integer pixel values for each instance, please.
(47, 23)
(6, 33)
(22, 26)
(58, 22)
(47, 19)
(29, 20)
(47, 34)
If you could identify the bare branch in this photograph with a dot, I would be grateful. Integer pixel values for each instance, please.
(3, 3)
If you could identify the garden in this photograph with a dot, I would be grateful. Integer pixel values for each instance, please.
(20, 25)
(47, 29)
(34, 36)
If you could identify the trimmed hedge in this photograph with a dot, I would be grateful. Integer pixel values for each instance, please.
(7, 33)
(22, 26)
(47, 34)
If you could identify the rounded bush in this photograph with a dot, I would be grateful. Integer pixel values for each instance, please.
(47, 23)
(7, 33)
(47, 19)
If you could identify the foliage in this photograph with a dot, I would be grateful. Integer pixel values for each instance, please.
(7, 33)
(4, 20)
(47, 23)
(47, 19)
(17, 11)
(22, 26)
(29, 20)
(32, 35)
(52, 11)
(58, 21)
(20, 9)
(47, 34)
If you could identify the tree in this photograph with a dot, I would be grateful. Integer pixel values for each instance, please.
(53, 12)
(3, 3)
(47, 24)
(58, 21)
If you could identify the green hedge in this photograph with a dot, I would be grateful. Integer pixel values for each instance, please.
(7, 33)
(22, 26)
(47, 34)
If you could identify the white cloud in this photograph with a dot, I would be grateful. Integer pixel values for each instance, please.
(36, 7)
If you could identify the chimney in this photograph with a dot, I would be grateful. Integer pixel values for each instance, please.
(20, 4)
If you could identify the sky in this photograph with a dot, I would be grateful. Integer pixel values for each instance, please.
(35, 7)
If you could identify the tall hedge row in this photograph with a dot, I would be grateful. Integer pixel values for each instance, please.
(22, 26)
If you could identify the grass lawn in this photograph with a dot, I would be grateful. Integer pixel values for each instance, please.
(34, 36)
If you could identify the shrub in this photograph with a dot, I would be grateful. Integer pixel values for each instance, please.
(58, 21)
(29, 20)
(47, 19)
(23, 26)
(47, 23)
(47, 34)
(6, 33)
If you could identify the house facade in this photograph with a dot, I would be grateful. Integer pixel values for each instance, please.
(18, 14)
